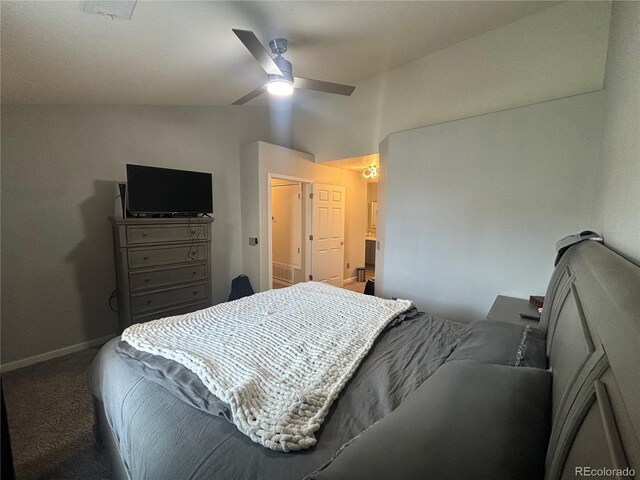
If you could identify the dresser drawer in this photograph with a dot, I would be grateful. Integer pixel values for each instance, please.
(151, 257)
(145, 302)
(162, 277)
(169, 312)
(165, 233)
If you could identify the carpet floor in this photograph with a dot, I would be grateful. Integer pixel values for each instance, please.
(50, 416)
(355, 286)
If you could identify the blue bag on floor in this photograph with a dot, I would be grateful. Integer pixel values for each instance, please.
(240, 287)
(369, 288)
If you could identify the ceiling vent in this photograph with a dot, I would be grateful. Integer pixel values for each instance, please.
(122, 9)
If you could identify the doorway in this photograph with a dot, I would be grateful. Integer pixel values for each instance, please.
(360, 266)
(371, 237)
(288, 230)
(306, 232)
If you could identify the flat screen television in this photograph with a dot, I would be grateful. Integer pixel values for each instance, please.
(152, 190)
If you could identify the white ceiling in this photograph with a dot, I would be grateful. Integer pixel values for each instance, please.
(184, 53)
(356, 164)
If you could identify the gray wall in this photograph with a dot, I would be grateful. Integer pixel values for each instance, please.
(618, 201)
(58, 165)
(554, 53)
(473, 208)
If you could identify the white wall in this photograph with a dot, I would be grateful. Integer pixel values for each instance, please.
(58, 165)
(473, 208)
(552, 54)
(250, 218)
(618, 202)
(257, 161)
(286, 226)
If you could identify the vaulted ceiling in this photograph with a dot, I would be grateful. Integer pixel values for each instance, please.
(184, 53)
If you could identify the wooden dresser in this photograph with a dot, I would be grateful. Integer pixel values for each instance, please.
(163, 267)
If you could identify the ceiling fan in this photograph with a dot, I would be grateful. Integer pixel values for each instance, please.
(280, 79)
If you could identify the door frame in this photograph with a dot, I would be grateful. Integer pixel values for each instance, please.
(306, 185)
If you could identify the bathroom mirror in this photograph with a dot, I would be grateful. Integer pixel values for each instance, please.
(373, 215)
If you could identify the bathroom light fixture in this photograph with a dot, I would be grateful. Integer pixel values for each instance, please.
(372, 171)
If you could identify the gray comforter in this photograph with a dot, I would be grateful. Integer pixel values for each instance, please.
(161, 436)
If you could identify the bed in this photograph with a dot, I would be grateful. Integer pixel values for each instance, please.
(432, 399)
(160, 436)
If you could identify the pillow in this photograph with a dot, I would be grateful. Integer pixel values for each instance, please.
(492, 341)
(468, 420)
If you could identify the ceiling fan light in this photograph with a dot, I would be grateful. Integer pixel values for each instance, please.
(281, 87)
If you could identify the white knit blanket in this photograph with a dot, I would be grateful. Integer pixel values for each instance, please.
(278, 358)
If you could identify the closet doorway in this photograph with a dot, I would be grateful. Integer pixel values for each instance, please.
(289, 230)
(371, 237)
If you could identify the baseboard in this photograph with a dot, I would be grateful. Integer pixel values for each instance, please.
(349, 280)
(25, 362)
(278, 283)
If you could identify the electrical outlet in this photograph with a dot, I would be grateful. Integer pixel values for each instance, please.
(348, 264)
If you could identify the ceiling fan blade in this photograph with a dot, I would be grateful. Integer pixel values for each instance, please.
(251, 95)
(320, 86)
(249, 39)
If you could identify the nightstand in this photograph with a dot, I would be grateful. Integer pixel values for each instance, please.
(508, 309)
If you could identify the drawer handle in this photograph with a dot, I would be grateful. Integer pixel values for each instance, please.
(148, 302)
(194, 252)
(146, 257)
(147, 280)
(195, 292)
(195, 273)
(193, 231)
(144, 234)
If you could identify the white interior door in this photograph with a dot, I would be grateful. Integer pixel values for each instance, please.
(327, 229)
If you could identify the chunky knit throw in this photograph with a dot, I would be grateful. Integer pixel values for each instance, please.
(278, 358)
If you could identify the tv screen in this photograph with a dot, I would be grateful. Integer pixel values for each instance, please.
(164, 190)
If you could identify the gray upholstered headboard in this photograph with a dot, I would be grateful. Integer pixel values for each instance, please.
(592, 321)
